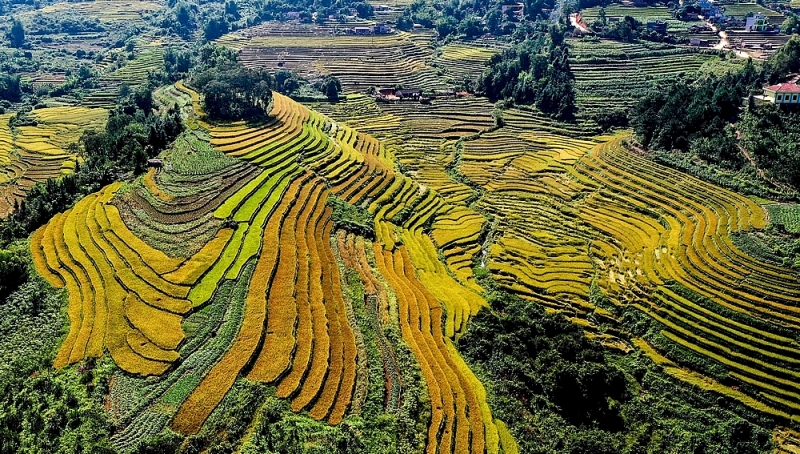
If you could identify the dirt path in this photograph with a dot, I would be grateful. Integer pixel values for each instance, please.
(725, 42)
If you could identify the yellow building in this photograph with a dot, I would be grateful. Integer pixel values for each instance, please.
(788, 93)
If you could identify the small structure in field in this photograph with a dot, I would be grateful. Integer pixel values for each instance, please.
(408, 93)
(155, 163)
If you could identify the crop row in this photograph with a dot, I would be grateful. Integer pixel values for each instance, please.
(458, 419)
(686, 237)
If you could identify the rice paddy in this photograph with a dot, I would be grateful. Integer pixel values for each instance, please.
(33, 154)
(227, 263)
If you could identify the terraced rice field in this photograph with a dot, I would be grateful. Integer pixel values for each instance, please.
(466, 61)
(107, 10)
(359, 62)
(636, 226)
(641, 14)
(226, 263)
(570, 209)
(741, 10)
(33, 154)
(609, 73)
(270, 182)
(135, 71)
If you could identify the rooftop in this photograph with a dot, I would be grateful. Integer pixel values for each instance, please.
(784, 88)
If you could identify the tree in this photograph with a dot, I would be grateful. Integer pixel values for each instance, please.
(331, 87)
(233, 92)
(363, 9)
(446, 26)
(10, 87)
(232, 10)
(791, 25)
(785, 61)
(13, 269)
(215, 27)
(471, 27)
(17, 34)
(286, 81)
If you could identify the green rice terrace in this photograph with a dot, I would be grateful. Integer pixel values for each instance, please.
(414, 227)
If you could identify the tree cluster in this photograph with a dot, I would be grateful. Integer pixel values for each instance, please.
(773, 138)
(627, 30)
(471, 18)
(534, 72)
(268, 10)
(233, 92)
(676, 114)
(16, 35)
(64, 23)
(10, 87)
(181, 19)
(784, 62)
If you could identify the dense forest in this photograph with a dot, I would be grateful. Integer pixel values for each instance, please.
(534, 72)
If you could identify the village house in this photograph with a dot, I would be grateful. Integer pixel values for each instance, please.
(786, 93)
(408, 93)
(700, 29)
(398, 94)
(362, 30)
(381, 29)
(381, 8)
(293, 15)
(517, 9)
(757, 23)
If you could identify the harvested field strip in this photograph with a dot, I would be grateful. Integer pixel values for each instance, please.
(160, 262)
(354, 256)
(420, 317)
(306, 338)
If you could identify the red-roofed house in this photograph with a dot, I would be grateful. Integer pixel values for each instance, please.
(788, 93)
